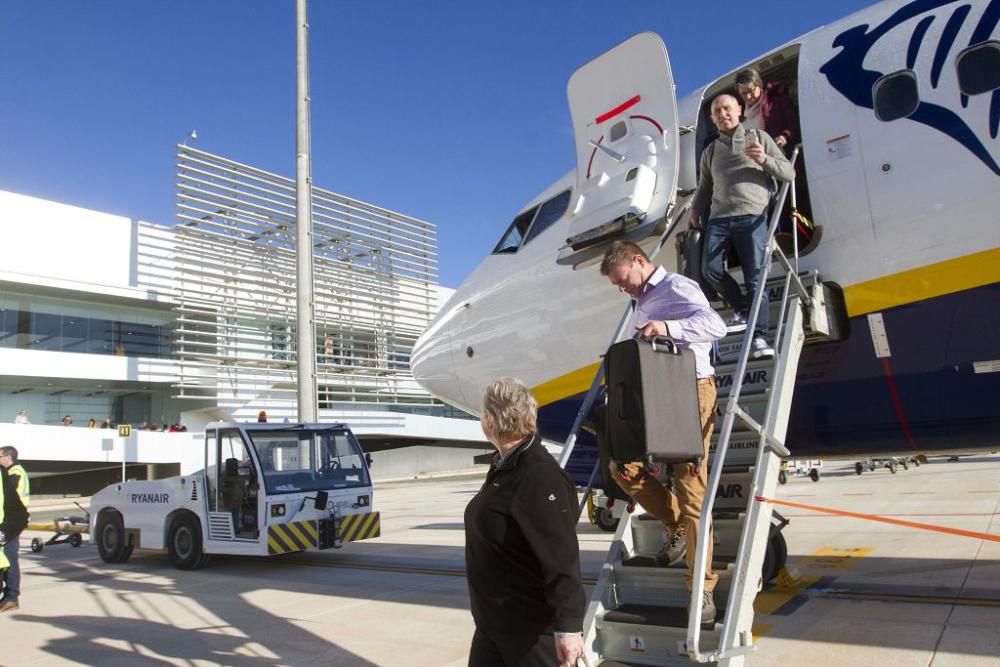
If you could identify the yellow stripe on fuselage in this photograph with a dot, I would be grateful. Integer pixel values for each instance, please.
(565, 385)
(925, 282)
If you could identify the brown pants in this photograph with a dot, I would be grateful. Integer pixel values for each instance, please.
(681, 509)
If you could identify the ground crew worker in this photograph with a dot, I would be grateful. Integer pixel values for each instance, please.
(4, 563)
(17, 496)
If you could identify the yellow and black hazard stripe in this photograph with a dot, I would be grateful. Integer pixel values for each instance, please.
(283, 538)
(354, 527)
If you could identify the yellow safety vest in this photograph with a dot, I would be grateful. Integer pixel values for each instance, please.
(4, 563)
(23, 485)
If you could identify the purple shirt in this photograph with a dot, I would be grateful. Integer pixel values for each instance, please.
(691, 322)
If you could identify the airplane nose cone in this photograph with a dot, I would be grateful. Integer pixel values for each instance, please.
(432, 366)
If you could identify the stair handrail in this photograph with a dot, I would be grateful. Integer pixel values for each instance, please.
(732, 411)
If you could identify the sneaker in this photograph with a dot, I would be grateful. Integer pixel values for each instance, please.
(737, 323)
(707, 608)
(9, 605)
(672, 551)
(759, 349)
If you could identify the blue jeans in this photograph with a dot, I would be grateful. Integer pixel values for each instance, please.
(749, 234)
(12, 577)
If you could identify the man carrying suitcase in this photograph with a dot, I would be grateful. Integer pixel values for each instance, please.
(671, 305)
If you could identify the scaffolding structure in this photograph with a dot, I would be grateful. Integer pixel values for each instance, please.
(375, 290)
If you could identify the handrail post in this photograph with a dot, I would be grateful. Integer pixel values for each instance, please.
(715, 475)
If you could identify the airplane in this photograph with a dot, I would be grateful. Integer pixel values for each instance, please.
(899, 108)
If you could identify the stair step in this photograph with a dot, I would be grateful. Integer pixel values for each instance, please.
(648, 534)
(639, 580)
(650, 635)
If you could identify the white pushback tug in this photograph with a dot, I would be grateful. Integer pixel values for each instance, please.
(266, 489)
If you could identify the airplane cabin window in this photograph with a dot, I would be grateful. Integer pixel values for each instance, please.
(514, 236)
(895, 95)
(618, 130)
(550, 211)
(978, 68)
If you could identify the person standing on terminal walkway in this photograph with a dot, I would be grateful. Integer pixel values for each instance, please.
(16, 497)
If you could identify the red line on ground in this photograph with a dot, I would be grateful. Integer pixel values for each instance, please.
(882, 519)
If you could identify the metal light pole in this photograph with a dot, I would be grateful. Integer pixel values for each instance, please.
(306, 366)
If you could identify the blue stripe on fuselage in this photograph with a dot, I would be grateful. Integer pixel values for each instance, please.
(843, 406)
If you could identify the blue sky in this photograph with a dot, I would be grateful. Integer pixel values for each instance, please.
(450, 111)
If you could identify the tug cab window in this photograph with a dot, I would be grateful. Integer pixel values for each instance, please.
(978, 68)
(895, 95)
(532, 222)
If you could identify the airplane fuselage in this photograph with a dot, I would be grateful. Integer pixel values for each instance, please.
(909, 211)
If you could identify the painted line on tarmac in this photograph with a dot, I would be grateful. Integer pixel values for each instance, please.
(881, 519)
(913, 599)
(401, 569)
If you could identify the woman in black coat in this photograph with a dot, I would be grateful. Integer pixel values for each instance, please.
(521, 553)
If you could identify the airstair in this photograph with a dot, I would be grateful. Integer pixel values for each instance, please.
(638, 613)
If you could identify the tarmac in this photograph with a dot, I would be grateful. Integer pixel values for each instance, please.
(861, 592)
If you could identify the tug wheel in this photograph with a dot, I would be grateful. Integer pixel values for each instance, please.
(184, 543)
(113, 544)
(36, 545)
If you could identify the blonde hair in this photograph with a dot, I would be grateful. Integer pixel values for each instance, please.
(509, 409)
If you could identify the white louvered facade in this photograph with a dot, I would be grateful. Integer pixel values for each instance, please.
(234, 289)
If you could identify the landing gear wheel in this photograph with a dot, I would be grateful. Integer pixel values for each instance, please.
(892, 467)
(814, 474)
(859, 468)
(184, 543)
(37, 545)
(113, 543)
(774, 558)
(905, 464)
(75, 540)
(605, 520)
(782, 477)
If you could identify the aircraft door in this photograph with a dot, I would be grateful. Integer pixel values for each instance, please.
(624, 114)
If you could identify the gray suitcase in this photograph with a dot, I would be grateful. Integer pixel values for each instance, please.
(653, 411)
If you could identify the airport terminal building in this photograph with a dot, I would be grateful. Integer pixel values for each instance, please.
(103, 316)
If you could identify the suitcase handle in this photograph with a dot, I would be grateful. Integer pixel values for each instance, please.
(666, 345)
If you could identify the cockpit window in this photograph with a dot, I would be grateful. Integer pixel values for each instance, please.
(978, 68)
(511, 241)
(550, 211)
(527, 225)
(895, 95)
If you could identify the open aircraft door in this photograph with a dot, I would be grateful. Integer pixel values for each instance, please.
(624, 114)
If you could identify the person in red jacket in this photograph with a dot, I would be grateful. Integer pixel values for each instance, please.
(768, 107)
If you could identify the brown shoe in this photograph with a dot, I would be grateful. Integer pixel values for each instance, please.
(7, 605)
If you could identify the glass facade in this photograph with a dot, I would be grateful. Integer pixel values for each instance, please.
(29, 330)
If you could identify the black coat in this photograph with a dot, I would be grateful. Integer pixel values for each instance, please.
(522, 558)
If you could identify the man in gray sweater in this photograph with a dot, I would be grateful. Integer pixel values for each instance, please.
(737, 177)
